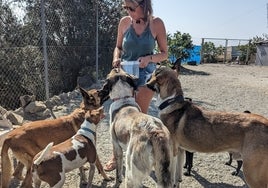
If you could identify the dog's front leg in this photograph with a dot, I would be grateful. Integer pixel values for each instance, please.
(119, 165)
(230, 159)
(179, 166)
(83, 180)
(173, 167)
(101, 171)
(91, 175)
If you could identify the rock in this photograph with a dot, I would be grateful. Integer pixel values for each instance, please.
(34, 107)
(54, 101)
(2, 110)
(26, 99)
(14, 118)
(4, 123)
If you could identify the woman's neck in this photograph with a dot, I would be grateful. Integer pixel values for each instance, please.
(140, 21)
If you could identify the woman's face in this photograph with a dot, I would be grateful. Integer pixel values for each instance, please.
(134, 10)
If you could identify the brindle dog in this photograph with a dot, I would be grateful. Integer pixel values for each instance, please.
(196, 129)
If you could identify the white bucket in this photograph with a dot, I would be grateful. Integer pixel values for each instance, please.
(131, 67)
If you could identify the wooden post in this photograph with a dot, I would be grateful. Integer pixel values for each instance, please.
(202, 52)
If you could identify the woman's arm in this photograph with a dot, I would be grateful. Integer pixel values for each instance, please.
(161, 38)
(159, 32)
(124, 22)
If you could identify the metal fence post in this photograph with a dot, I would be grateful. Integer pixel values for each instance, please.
(44, 37)
(97, 42)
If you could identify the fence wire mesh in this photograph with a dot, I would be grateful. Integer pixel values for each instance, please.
(70, 44)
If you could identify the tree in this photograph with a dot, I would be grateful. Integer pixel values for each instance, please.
(250, 48)
(210, 52)
(14, 72)
(71, 37)
(179, 45)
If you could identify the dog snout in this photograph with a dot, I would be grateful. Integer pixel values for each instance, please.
(103, 93)
(104, 96)
(151, 84)
(151, 87)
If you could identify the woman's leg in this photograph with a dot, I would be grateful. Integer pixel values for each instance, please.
(144, 97)
(111, 164)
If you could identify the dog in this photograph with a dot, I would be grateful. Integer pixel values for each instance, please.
(200, 130)
(189, 159)
(144, 138)
(190, 155)
(29, 139)
(51, 164)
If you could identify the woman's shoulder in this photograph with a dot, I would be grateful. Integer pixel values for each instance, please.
(124, 24)
(125, 20)
(157, 21)
(157, 25)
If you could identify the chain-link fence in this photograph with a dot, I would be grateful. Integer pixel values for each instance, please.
(46, 45)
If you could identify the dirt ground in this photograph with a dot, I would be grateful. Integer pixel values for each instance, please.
(213, 86)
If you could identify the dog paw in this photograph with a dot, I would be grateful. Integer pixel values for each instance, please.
(187, 173)
(235, 173)
(83, 183)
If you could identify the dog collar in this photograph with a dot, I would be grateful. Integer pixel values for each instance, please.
(116, 99)
(178, 98)
(88, 130)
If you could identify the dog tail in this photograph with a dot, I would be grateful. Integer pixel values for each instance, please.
(43, 154)
(162, 154)
(5, 164)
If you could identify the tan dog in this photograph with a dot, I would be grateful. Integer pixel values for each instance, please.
(144, 138)
(195, 129)
(29, 139)
(51, 164)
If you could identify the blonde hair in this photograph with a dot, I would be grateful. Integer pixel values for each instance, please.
(146, 6)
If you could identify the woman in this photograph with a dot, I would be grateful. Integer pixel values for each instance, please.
(137, 36)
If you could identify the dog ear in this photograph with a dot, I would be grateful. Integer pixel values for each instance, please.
(90, 101)
(86, 97)
(96, 115)
(83, 92)
(132, 81)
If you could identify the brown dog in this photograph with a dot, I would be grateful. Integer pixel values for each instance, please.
(144, 138)
(190, 155)
(196, 129)
(51, 164)
(29, 139)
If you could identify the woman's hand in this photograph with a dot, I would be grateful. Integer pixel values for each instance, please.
(116, 63)
(144, 61)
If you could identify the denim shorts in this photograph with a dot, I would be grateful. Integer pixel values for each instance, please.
(145, 73)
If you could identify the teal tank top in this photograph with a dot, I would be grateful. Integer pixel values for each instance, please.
(135, 46)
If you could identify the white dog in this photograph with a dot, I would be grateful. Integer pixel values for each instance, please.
(144, 138)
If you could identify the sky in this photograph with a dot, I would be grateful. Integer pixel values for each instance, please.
(227, 19)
